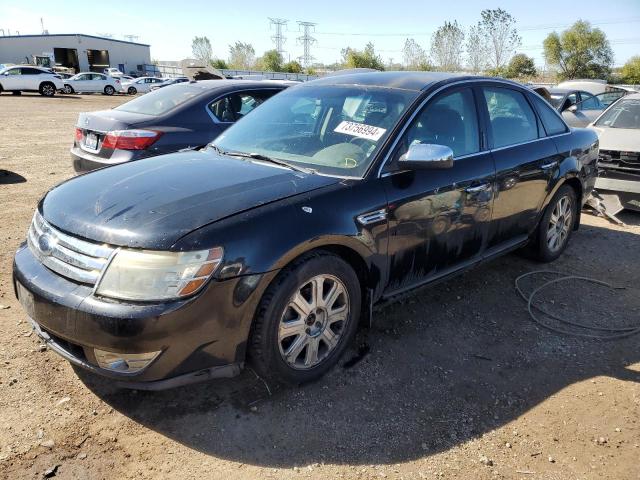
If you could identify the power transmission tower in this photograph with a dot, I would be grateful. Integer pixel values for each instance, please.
(278, 38)
(307, 40)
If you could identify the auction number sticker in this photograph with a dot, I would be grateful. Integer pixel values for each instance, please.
(360, 130)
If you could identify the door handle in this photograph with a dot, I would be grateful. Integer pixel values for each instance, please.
(479, 188)
(548, 166)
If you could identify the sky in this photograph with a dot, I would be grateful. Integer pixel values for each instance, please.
(169, 25)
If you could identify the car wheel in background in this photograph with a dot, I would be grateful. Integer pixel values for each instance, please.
(306, 319)
(556, 225)
(68, 89)
(132, 91)
(109, 90)
(47, 89)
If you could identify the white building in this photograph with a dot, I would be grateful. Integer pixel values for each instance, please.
(76, 51)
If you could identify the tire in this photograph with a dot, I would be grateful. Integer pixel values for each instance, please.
(47, 89)
(556, 226)
(68, 89)
(132, 91)
(314, 338)
(109, 90)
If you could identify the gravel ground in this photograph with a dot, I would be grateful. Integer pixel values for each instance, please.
(454, 381)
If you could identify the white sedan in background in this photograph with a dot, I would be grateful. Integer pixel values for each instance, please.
(141, 85)
(91, 82)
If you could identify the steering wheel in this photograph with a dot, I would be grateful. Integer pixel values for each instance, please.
(364, 143)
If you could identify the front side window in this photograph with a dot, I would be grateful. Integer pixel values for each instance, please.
(511, 117)
(451, 120)
(624, 114)
(336, 130)
(232, 108)
(589, 102)
(550, 119)
(14, 71)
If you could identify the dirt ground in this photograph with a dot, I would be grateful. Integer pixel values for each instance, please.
(454, 381)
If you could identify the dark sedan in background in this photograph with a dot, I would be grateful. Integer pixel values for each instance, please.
(272, 243)
(185, 115)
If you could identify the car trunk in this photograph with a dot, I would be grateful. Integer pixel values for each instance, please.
(95, 126)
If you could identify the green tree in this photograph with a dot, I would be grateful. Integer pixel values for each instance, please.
(201, 49)
(446, 46)
(292, 67)
(631, 70)
(367, 58)
(271, 61)
(497, 30)
(415, 57)
(521, 66)
(579, 52)
(219, 64)
(242, 56)
(476, 50)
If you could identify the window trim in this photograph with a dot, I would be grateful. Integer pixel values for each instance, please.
(222, 95)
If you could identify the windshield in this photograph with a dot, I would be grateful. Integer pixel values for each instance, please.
(161, 101)
(334, 130)
(623, 114)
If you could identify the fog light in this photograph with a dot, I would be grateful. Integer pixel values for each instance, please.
(124, 362)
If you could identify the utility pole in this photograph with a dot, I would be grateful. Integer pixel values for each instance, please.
(306, 40)
(278, 38)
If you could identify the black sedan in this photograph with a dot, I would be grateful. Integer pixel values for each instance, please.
(184, 115)
(275, 241)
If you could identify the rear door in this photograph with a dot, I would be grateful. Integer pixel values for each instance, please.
(439, 219)
(31, 78)
(525, 161)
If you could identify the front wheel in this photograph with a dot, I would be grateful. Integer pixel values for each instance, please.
(109, 90)
(47, 89)
(68, 89)
(306, 319)
(556, 225)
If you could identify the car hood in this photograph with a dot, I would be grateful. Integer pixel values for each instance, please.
(622, 139)
(152, 203)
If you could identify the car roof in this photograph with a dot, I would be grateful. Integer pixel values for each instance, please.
(217, 84)
(402, 80)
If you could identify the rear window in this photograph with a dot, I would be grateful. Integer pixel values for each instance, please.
(162, 100)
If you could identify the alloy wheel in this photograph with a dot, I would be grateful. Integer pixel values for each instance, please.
(560, 223)
(313, 322)
(48, 90)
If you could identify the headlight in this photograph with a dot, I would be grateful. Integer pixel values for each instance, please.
(151, 275)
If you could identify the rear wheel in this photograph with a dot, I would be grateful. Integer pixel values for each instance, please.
(68, 89)
(47, 89)
(556, 225)
(306, 319)
(109, 90)
(132, 91)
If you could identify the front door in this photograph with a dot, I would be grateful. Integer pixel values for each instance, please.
(524, 159)
(12, 79)
(439, 219)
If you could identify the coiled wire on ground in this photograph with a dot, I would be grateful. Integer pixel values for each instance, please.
(600, 333)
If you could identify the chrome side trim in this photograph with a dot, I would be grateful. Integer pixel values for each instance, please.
(372, 217)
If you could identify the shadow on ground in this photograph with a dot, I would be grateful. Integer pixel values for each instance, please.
(444, 366)
(9, 178)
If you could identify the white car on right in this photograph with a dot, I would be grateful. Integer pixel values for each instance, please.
(91, 82)
(618, 130)
(141, 85)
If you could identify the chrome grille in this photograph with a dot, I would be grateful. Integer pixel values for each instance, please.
(71, 257)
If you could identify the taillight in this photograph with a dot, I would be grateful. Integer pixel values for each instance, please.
(130, 139)
(78, 134)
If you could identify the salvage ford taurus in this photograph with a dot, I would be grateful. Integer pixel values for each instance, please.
(271, 244)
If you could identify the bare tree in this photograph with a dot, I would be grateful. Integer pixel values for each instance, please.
(476, 50)
(414, 56)
(242, 56)
(446, 46)
(499, 31)
(201, 49)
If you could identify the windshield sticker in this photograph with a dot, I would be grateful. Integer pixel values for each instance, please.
(360, 130)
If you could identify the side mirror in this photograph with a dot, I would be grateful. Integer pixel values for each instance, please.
(426, 156)
(573, 108)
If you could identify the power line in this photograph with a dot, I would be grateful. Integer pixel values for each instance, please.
(278, 38)
(307, 40)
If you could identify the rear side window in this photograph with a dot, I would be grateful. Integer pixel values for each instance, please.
(512, 119)
(233, 107)
(31, 71)
(162, 100)
(552, 123)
